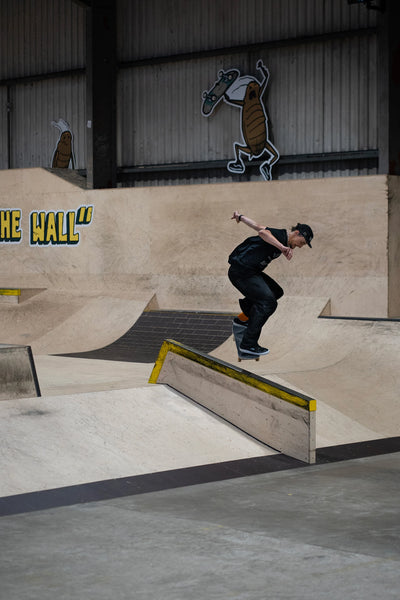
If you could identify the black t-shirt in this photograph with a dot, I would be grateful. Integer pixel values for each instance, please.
(254, 254)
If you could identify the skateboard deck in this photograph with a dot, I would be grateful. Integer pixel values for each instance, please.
(214, 95)
(238, 332)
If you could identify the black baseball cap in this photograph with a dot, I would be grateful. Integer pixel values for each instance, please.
(306, 232)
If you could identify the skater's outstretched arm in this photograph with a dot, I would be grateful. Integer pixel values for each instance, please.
(242, 219)
(264, 233)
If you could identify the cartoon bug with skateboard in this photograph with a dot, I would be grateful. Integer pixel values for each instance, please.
(246, 93)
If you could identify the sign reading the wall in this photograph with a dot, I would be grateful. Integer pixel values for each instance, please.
(45, 228)
(246, 93)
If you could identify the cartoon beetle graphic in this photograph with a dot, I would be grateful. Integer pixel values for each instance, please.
(246, 93)
(63, 154)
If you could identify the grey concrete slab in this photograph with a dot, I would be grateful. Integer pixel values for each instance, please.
(326, 531)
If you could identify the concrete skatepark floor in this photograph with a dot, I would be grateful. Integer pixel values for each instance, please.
(328, 531)
(246, 528)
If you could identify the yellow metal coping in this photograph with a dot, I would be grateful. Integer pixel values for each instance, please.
(9, 292)
(220, 366)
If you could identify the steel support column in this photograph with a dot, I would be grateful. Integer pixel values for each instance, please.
(389, 89)
(101, 94)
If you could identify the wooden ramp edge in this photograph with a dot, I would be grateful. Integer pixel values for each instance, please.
(273, 414)
(18, 377)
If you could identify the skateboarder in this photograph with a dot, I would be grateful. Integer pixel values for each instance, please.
(261, 292)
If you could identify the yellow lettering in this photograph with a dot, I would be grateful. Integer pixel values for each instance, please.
(5, 225)
(15, 231)
(73, 237)
(84, 215)
(51, 232)
(37, 228)
(89, 214)
(81, 215)
(51, 228)
(62, 237)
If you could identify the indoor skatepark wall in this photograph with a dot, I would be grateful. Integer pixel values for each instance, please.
(129, 244)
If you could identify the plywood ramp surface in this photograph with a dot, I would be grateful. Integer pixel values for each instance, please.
(57, 321)
(67, 440)
(350, 366)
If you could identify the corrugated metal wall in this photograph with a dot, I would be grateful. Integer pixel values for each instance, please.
(321, 96)
(36, 105)
(165, 27)
(38, 38)
(319, 99)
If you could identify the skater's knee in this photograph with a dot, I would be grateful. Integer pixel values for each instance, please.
(275, 288)
(268, 306)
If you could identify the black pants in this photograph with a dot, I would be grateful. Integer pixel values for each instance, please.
(261, 295)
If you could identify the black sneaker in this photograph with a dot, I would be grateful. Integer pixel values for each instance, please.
(256, 350)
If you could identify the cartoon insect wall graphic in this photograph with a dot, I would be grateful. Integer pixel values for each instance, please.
(64, 153)
(246, 93)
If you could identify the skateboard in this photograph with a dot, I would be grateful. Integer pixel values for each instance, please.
(214, 95)
(238, 332)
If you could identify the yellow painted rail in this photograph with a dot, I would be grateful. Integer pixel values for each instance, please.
(251, 379)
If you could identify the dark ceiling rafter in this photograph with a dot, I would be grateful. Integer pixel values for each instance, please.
(83, 3)
(240, 49)
(200, 54)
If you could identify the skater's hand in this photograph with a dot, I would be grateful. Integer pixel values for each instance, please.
(236, 216)
(287, 252)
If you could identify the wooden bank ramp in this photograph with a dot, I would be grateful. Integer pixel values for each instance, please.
(18, 378)
(271, 413)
